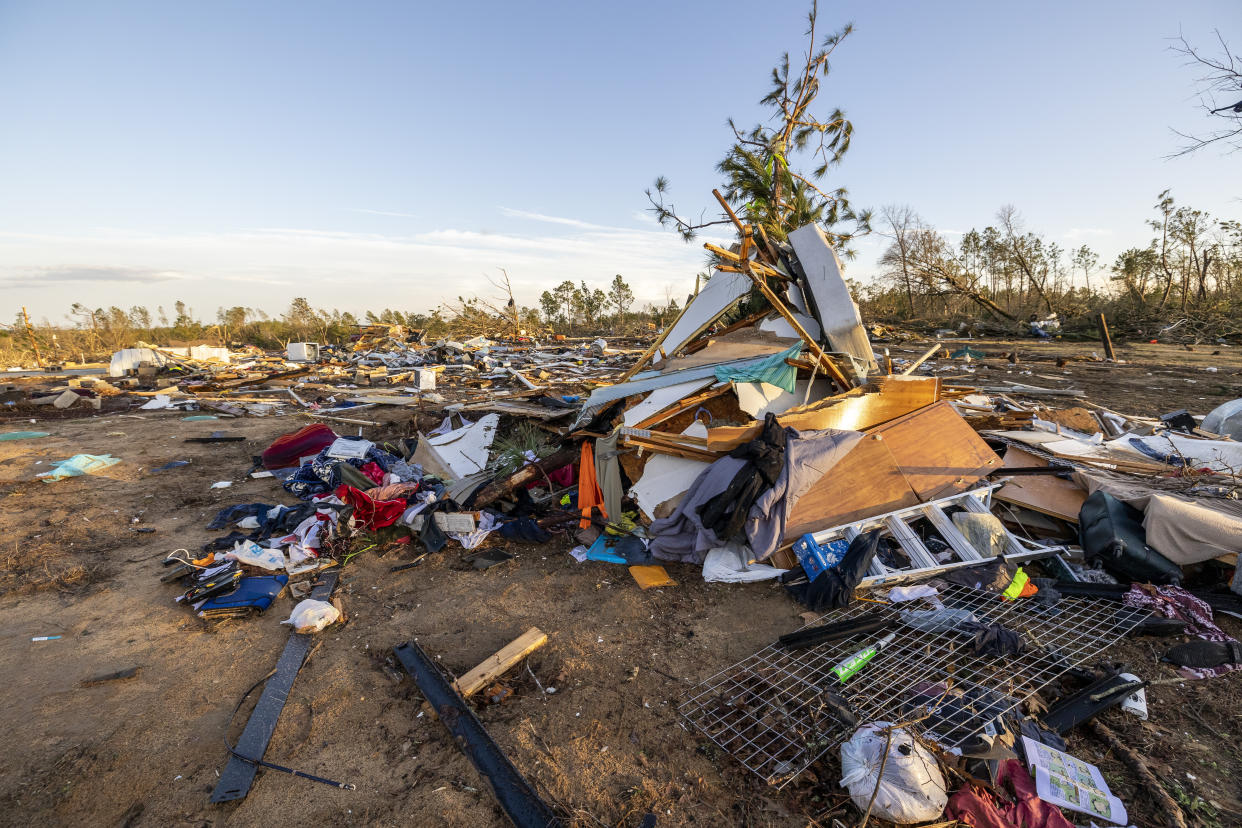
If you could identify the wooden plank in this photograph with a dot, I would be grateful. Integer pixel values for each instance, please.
(937, 451)
(926, 356)
(500, 662)
(686, 452)
(1046, 494)
(497, 664)
(390, 399)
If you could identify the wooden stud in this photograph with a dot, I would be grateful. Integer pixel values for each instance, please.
(1105, 338)
(497, 664)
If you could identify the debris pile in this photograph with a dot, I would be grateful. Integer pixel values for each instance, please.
(966, 554)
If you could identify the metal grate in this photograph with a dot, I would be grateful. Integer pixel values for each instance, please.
(774, 712)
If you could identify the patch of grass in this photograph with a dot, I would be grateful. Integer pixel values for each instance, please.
(1195, 805)
(23, 571)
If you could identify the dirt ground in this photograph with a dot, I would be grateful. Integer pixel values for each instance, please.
(606, 747)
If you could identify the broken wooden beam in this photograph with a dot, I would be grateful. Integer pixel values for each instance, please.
(530, 472)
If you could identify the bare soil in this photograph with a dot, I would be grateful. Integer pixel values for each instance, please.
(606, 747)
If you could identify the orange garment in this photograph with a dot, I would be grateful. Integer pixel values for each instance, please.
(590, 496)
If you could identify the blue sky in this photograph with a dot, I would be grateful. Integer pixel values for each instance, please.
(384, 154)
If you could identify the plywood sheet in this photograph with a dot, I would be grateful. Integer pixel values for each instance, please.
(937, 451)
(866, 482)
(852, 411)
(1041, 493)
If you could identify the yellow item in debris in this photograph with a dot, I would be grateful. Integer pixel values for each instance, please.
(651, 576)
(1017, 586)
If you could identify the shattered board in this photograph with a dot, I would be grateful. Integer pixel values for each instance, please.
(771, 712)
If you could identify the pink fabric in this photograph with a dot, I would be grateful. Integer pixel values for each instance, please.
(373, 471)
(977, 808)
(564, 477)
(393, 491)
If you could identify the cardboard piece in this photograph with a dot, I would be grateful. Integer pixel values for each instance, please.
(651, 576)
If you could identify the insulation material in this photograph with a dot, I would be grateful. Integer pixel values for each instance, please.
(830, 297)
(129, 359)
(760, 398)
(462, 452)
(1218, 455)
(662, 398)
(665, 478)
(720, 293)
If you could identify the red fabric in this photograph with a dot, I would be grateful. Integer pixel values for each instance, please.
(977, 808)
(373, 471)
(287, 449)
(564, 476)
(371, 514)
(589, 495)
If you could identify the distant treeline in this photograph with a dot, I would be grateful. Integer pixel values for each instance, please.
(1190, 269)
(88, 333)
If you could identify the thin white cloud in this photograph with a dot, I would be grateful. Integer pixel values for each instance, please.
(568, 222)
(381, 213)
(267, 267)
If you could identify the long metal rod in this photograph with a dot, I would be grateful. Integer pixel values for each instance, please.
(238, 775)
(516, 796)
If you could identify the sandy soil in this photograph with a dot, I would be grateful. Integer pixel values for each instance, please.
(606, 747)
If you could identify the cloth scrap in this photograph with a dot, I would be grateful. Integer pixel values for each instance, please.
(1175, 602)
(773, 370)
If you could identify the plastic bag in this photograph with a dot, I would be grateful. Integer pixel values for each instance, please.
(984, 532)
(251, 554)
(79, 464)
(912, 789)
(312, 616)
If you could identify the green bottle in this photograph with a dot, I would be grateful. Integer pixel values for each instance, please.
(858, 660)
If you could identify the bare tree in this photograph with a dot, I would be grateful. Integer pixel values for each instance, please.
(1220, 95)
(1025, 250)
(902, 224)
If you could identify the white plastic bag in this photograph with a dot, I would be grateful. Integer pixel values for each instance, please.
(912, 789)
(251, 554)
(312, 616)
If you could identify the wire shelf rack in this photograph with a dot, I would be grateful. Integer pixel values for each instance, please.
(779, 711)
